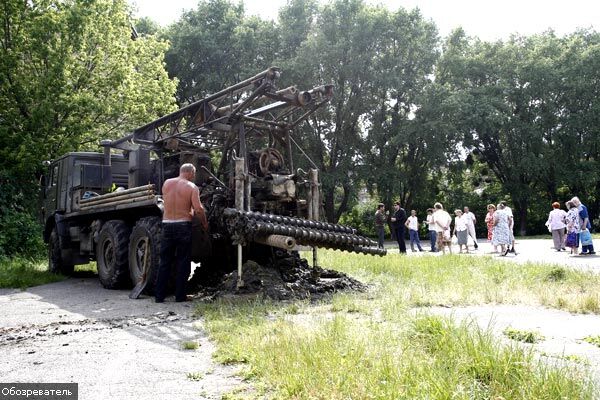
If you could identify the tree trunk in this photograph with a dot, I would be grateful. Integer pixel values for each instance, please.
(344, 204)
(329, 200)
(522, 212)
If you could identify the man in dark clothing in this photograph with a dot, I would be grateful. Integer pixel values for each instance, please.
(398, 221)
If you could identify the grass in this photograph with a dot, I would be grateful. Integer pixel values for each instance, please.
(190, 345)
(321, 354)
(22, 273)
(595, 340)
(454, 280)
(195, 376)
(523, 336)
(374, 346)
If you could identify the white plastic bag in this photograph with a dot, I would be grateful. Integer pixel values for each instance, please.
(446, 234)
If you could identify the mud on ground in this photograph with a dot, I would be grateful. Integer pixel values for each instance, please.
(286, 279)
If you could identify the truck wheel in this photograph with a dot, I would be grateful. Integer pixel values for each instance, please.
(56, 264)
(144, 246)
(111, 254)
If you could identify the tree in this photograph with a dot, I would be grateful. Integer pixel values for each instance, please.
(527, 111)
(70, 74)
(215, 46)
(147, 26)
(340, 51)
(579, 119)
(406, 139)
(380, 63)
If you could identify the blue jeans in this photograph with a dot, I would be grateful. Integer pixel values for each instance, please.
(175, 245)
(414, 239)
(433, 239)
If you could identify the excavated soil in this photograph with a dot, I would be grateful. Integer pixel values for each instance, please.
(285, 279)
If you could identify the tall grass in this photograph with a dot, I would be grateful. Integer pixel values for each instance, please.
(22, 273)
(461, 280)
(372, 345)
(341, 356)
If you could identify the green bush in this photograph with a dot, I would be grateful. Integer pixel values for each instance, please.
(21, 233)
(362, 217)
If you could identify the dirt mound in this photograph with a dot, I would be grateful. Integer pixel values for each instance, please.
(284, 279)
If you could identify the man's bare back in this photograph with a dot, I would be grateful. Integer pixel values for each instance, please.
(178, 196)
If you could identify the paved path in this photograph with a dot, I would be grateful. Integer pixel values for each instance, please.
(114, 347)
(528, 250)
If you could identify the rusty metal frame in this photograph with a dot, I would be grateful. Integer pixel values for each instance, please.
(208, 124)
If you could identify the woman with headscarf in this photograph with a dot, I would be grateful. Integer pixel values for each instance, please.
(572, 222)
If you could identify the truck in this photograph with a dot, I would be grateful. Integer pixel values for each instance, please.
(106, 206)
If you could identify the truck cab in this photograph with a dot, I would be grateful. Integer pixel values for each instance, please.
(69, 179)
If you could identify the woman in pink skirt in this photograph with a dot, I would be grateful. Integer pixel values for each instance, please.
(489, 221)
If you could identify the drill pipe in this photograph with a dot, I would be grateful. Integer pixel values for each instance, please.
(115, 202)
(145, 188)
(282, 242)
(255, 226)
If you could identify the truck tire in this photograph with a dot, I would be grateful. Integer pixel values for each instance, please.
(56, 264)
(111, 255)
(146, 231)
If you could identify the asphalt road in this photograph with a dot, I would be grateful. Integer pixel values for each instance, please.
(528, 250)
(114, 347)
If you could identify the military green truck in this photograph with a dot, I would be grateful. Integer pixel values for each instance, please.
(107, 206)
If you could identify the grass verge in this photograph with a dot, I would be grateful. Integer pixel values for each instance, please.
(523, 336)
(455, 280)
(321, 354)
(22, 273)
(372, 345)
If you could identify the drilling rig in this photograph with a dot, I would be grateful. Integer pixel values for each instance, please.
(258, 203)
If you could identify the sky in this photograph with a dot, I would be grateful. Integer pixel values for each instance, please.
(487, 19)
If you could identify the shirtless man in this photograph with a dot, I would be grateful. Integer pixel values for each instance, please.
(181, 203)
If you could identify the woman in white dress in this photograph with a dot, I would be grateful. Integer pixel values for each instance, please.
(501, 234)
(461, 231)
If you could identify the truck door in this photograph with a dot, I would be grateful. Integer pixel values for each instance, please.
(64, 168)
(51, 190)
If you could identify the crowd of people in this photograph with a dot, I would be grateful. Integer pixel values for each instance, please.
(571, 227)
(568, 228)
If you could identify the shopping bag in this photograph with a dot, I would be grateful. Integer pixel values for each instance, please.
(571, 239)
(586, 238)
